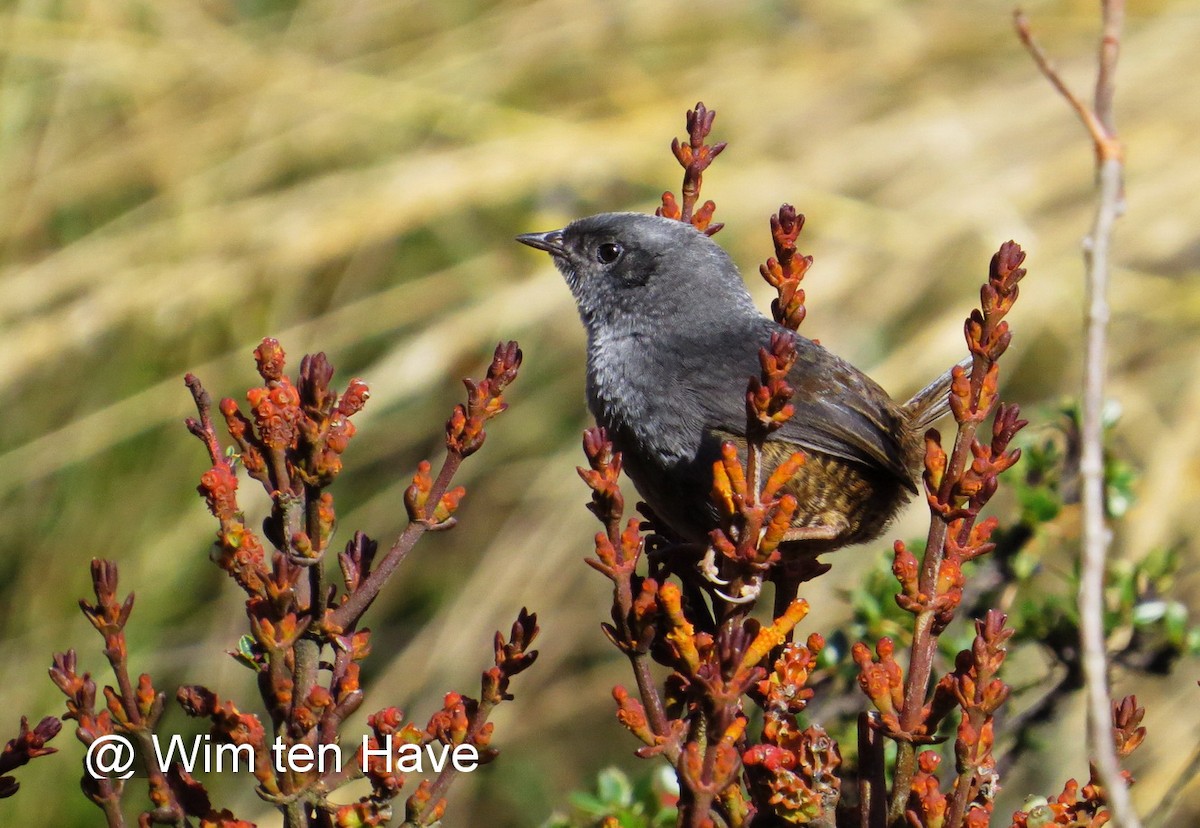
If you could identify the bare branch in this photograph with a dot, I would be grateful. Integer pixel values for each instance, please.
(1099, 120)
(1110, 49)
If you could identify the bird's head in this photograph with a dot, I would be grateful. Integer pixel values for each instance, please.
(631, 269)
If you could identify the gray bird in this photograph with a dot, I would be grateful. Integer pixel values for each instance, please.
(672, 339)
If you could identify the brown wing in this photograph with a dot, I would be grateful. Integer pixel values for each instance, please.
(840, 412)
(843, 413)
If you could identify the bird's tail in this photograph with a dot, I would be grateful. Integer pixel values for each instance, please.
(932, 402)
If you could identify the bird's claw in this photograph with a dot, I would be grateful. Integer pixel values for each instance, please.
(749, 592)
(708, 568)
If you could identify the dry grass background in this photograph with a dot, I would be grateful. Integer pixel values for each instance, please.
(180, 178)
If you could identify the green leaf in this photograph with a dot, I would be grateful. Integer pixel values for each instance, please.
(1039, 504)
(245, 654)
(614, 787)
(1175, 624)
(1149, 612)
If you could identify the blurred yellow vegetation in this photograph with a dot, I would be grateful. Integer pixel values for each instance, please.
(179, 178)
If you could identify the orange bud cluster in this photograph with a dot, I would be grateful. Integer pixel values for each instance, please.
(784, 692)
(774, 635)
(793, 770)
(219, 486)
(238, 549)
(80, 691)
(926, 803)
(511, 657)
(107, 615)
(292, 444)
(23, 748)
(882, 680)
(797, 777)
(958, 486)
(987, 332)
(966, 492)
(973, 394)
(450, 724)
(708, 772)
(1128, 732)
(786, 269)
(769, 398)
(632, 714)
(276, 410)
(232, 726)
(978, 693)
(361, 814)
(416, 500)
(688, 649)
(464, 429)
(752, 524)
(695, 156)
(975, 690)
(423, 808)
(386, 781)
(635, 611)
(608, 505)
(955, 496)
(752, 527)
(302, 629)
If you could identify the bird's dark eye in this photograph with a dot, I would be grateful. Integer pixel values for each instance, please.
(608, 252)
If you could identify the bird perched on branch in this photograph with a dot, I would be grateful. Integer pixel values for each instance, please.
(673, 337)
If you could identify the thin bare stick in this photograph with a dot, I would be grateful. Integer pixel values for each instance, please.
(1110, 50)
(1100, 123)
(1096, 534)
(1025, 32)
(872, 782)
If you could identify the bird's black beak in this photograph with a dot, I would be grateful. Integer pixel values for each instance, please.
(551, 242)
